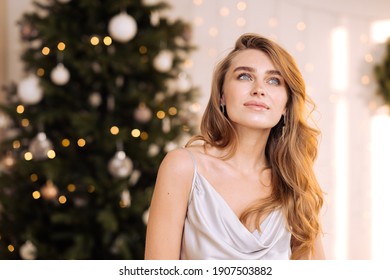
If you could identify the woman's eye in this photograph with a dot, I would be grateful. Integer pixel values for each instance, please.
(274, 81)
(245, 76)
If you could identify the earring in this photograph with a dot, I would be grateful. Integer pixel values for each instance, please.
(284, 127)
(222, 108)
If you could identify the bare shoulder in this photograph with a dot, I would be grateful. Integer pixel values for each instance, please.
(177, 162)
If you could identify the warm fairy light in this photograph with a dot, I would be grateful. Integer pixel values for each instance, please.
(273, 22)
(28, 156)
(71, 187)
(198, 2)
(224, 11)
(188, 63)
(114, 130)
(213, 31)
(81, 142)
(135, 133)
(51, 154)
(198, 21)
(241, 22)
(160, 114)
(144, 136)
(11, 248)
(365, 80)
(368, 58)
(61, 46)
(45, 51)
(62, 199)
(241, 6)
(20, 109)
(300, 46)
(172, 111)
(40, 72)
(143, 50)
(16, 144)
(65, 142)
(36, 195)
(34, 177)
(301, 26)
(25, 122)
(107, 40)
(91, 188)
(94, 40)
(195, 107)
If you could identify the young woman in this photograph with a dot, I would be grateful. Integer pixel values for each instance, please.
(248, 190)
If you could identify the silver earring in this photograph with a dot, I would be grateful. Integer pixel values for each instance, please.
(284, 127)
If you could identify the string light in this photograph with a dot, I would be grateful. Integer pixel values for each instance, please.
(94, 40)
(198, 2)
(51, 154)
(61, 46)
(62, 199)
(241, 6)
(172, 111)
(213, 32)
(365, 80)
(11, 248)
(224, 11)
(16, 144)
(65, 142)
(144, 136)
(241, 22)
(40, 72)
(45, 51)
(36, 195)
(91, 189)
(28, 156)
(71, 188)
(368, 58)
(20, 109)
(25, 122)
(143, 50)
(114, 130)
(160, 114)
(135, 133)
(198, 21)
(107, 40)
(34, 177)
(81, 142)
(301, 26)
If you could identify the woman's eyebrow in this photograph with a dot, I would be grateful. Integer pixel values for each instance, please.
(253, 70)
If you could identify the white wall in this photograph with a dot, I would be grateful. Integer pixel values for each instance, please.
(351, 162)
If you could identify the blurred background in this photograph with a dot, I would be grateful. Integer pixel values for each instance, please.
(132, 79)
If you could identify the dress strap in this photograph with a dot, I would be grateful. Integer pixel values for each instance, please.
(193, 160)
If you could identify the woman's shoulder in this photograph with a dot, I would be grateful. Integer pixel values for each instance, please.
(179, 161)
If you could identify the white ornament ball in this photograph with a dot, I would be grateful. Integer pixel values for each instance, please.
(122, 27)
(29, 91)
(28, 251)
(120, 166)
(60, 75)
(142, 113)
(153, 150)
(95, 99)
(163, 61)
(183, 83)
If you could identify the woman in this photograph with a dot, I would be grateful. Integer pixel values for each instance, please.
(248, 190)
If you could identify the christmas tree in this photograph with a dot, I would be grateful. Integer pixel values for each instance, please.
(106, 95)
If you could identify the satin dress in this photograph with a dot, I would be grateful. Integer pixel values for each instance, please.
(212, 231)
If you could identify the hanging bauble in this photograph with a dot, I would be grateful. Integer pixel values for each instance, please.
(125, 199)
(153, 150)
(166, 125)
(122, 27)
(183, 83)
(170, 146)
(155, 18)
(142, 113)
(28, 251)
(60, 75)
(49, 191)
(163, 61)
(135, 175)
(29, 91)
(40, 145)
(95, 99)
(120, 166)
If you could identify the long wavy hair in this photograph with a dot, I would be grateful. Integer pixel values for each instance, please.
(290, 150)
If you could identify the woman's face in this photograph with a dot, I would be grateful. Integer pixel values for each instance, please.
(254, 92)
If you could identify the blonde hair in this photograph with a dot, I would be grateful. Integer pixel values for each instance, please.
(290, 157)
